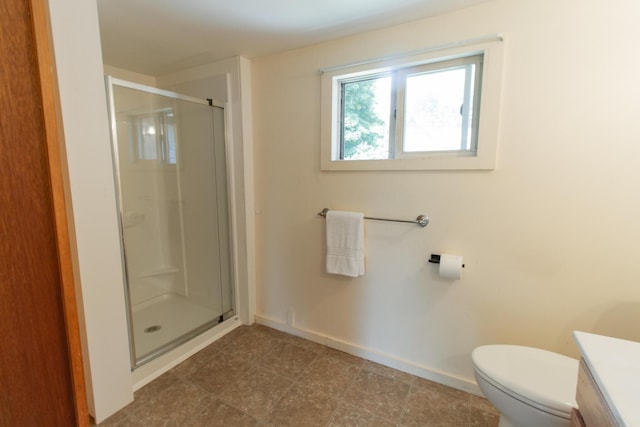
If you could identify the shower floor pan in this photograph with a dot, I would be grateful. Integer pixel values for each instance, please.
(164, 320)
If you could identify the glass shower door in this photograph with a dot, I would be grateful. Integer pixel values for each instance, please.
(172, 187)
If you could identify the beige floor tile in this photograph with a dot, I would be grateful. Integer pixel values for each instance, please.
(346, 357)
(483, 413)
(151, 392)
(189, 366)
(257, 392)
(480, 418)
(250, 344)
(303, 406)
(218, 375)
(483, 404)
(306, 344)
(224, 342)
(260, 377)
(120, 419)
(350, 416)
(329, 375)
(429, 407)
(219, 414)
(287, 360)
(290, 339)
(376, 368)
(380, 395)
(174, 406)
(270, 331)
(441, 389)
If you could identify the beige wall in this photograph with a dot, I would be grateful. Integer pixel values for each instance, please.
(76, 42)
(550, 237)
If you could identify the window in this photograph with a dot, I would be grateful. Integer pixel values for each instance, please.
(427, 111)
(155, 137)
(426, 108)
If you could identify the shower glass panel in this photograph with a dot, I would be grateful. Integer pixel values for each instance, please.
(169, 155)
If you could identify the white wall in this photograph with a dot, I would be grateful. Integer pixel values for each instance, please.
(550, 237)
(97, 249)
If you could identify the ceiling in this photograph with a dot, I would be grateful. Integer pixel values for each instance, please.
(157, 37)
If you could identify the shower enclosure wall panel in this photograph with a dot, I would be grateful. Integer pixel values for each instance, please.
(152, 236)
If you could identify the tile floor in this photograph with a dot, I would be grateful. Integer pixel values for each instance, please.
(257, 376)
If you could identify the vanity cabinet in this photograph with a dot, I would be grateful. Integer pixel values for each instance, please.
(576, 419)
(608, 390)
(593, 410)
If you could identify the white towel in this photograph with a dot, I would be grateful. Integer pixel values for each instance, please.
(345, 243)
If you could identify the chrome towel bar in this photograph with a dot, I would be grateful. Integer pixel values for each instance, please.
(421, 220)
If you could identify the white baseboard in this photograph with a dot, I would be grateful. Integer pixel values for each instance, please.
(391, 361)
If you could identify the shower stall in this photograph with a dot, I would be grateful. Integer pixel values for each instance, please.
(171, 167)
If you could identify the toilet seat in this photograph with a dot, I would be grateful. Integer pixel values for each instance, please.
(539, 378)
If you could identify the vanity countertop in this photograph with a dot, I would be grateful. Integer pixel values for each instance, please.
(615, 366)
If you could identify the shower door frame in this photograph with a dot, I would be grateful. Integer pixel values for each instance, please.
(110, 81)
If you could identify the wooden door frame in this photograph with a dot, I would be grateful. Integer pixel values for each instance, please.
(54, 140)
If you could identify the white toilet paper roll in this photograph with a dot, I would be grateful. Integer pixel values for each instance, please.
(450, 266)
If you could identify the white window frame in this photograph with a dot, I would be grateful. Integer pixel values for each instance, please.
(484, 155)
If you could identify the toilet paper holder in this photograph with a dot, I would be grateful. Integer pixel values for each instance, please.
(435, 259)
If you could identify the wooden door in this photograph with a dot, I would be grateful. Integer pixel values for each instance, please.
(41, 381)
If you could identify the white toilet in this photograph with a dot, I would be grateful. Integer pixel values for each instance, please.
(529, 386)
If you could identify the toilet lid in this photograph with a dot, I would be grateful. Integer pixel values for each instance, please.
(544, 379)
